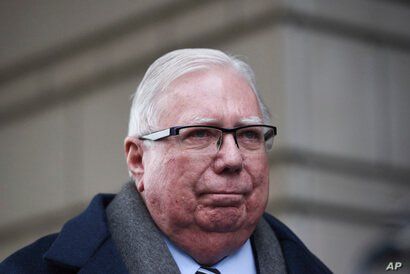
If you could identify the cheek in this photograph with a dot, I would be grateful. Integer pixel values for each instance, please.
(258, 169)
(183, 173)
(169, 189)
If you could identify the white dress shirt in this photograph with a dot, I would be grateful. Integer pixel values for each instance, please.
(240, 262)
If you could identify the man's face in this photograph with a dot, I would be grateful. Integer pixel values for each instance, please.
(223, 192)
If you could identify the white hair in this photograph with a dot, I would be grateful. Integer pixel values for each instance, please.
(169, 67)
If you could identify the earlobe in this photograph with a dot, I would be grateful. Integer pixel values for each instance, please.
(140, 185)
(134, 155)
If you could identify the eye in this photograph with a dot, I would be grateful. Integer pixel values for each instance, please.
(250, 134)
(198, 137)
(199, 133)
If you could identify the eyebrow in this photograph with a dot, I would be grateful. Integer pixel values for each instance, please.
(203, 120)
(251, 120)
(242, 121)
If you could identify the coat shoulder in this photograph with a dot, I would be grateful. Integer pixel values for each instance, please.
(30, 258)
(299, 259)
(79, 241)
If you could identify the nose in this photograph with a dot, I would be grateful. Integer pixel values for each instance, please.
(228, 159)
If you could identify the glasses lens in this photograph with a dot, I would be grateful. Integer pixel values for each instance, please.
(255, 138)
(268, 136)
(200, 139)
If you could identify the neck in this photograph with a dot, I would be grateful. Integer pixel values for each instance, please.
(210, 247)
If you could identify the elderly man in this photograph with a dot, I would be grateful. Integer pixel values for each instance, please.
(197, 154)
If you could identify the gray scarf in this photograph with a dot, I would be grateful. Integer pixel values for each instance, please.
(142, 246)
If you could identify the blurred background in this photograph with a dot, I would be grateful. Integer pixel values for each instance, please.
(336, 75)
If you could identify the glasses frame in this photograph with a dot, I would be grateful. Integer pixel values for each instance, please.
(174, 131)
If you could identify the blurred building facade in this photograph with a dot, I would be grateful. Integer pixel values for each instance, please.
(334, 73)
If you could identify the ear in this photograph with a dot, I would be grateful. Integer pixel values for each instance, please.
(134, 153)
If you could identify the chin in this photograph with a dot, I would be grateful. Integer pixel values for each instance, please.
(223, 219)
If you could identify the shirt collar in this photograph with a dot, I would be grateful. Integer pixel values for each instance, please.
(241, 261)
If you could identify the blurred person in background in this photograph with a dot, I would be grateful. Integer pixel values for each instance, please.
(196, 151)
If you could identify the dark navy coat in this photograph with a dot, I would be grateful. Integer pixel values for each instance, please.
(84, 245)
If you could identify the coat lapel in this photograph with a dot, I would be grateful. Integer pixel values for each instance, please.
(84, 242)
(106, 260)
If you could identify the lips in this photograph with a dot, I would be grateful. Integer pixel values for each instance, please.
(222, 199)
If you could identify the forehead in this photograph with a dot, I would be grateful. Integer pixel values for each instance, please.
(220, 95)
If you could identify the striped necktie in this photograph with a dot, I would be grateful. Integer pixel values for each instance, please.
(207, 270)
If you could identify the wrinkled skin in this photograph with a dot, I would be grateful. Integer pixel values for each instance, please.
(208, 205)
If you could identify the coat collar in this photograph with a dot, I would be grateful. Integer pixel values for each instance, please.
(87, 236)
(82, 236)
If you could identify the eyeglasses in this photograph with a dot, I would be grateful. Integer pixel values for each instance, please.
(208, 139)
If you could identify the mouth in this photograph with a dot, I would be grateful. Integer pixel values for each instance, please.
(222, 199)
